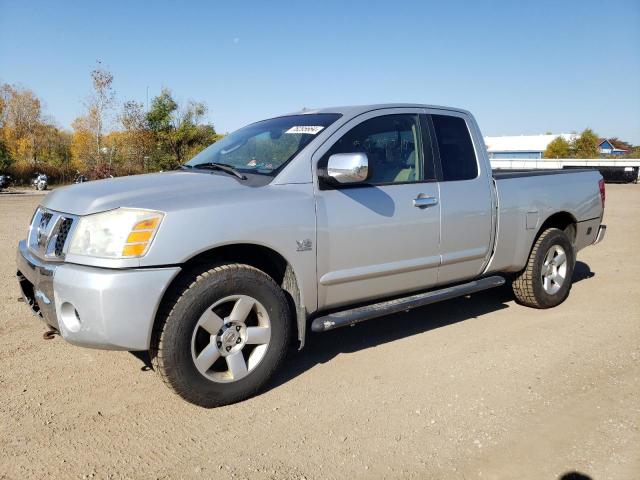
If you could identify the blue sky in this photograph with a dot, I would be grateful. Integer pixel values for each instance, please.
(520, 67)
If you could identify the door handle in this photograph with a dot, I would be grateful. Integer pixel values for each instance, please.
(423, 202)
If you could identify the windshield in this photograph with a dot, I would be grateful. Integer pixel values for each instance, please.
(265, 147)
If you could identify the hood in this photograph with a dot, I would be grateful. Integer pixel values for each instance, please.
(157, 191)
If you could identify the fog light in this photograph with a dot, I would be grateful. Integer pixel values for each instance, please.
(70, 317)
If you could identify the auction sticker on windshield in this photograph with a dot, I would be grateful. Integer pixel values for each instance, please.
(310, 129)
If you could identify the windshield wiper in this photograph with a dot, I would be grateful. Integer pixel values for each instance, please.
(222, 167)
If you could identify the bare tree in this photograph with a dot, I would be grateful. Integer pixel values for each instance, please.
(90, 128)
(100, 103)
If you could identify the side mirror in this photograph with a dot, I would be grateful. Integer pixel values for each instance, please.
(348, 167)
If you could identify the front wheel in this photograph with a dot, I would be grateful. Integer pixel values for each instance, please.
(223, 336)
(547, 278)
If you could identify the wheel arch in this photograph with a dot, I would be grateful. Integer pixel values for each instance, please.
(258, 256)
(562, 220)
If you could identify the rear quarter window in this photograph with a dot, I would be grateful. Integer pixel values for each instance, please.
(457, 157)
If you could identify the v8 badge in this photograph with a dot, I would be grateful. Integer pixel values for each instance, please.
(303, 245)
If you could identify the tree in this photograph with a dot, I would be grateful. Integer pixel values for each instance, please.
(83, 147)
(5, 157)
(634, 152)
(89, 128)
(101, 101)
(29, 141)
(54, 145)
(585, 145)
(558, 148)
(178, 130)
(136, 140)
(21, 116)
(621, 144)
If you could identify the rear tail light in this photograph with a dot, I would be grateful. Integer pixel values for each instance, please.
(602, 192)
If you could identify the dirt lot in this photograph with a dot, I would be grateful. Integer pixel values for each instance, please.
(472, 388)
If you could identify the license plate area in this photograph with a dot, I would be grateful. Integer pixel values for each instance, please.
(29, 294)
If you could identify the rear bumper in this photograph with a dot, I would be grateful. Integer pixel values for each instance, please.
(94, 307)
(602, 230)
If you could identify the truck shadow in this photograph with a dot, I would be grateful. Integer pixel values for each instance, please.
(582, 271)
(323, 347)
(574, 475)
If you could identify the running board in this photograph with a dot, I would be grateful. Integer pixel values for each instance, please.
(361, 314)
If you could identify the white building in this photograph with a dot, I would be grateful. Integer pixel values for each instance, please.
(521, 146)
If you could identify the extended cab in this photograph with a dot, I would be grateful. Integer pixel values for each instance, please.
(317, 219)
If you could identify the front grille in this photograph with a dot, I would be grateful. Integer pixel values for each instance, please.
(49, 233)
(63, 233)
(45, 219)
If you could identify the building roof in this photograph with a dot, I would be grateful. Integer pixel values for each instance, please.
(523, 143)
(611, 142)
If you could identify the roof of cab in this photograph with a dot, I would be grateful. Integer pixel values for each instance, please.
(353, 110)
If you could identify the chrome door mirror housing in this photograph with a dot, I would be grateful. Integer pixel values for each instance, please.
(348, 167)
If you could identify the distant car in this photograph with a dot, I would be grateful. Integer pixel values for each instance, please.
(4, 181)
(317, 220)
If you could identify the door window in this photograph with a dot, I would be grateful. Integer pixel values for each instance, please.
(392, 144)
(457, 157)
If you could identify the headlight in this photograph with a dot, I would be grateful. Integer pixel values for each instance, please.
(120, 233)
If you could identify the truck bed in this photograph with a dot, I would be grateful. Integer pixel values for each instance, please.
(527, 198)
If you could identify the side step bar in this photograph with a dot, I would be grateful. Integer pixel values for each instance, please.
(361, 314)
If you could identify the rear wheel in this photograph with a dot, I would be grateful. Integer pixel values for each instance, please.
(223, 336)
(547, 278)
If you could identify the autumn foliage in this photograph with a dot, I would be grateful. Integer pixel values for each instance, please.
(108, 138)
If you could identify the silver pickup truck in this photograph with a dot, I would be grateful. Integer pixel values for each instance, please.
(317, 219)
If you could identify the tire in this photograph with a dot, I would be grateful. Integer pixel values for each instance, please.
(535, 286)
(185, 339)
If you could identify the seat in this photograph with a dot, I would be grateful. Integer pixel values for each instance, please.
(407, 174)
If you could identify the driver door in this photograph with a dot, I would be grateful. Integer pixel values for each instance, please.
(372, 241)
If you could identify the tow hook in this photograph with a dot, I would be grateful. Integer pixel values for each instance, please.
(50, 334)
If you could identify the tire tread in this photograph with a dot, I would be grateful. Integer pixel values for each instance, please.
(523, 283)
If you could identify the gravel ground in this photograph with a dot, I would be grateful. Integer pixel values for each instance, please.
(23, 192)
(477, 387)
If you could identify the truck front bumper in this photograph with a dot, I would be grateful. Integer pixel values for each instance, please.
(94, 307)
